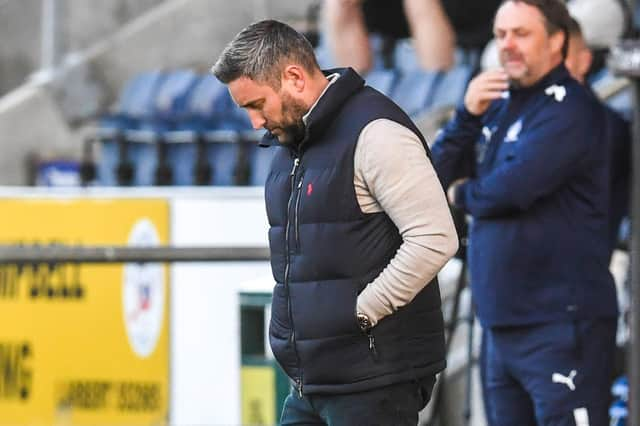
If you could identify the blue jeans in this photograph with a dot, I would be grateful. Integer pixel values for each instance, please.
(396, 405)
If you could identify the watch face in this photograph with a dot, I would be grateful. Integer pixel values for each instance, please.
(363, 321)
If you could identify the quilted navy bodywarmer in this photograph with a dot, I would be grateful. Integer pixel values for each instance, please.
(325, 250)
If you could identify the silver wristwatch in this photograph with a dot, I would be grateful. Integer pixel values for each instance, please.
(364, 322)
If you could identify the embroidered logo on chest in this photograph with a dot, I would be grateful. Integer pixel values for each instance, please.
(558, 92)
(481, 146)
(487, 133)
(513, 132)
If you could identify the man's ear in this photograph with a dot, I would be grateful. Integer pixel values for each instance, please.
(586, 58)
(556, 41)
(294, 77)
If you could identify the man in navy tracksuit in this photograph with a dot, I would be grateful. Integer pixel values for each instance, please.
(526, 156)
(359, 228)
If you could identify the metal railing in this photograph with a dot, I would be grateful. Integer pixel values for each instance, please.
(625, 60)
(121, 254)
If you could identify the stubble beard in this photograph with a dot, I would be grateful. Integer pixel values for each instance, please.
(293, 128)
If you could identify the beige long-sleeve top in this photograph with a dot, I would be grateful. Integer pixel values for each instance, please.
(393, 174)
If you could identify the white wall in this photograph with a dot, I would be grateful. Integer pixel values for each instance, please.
(205, 326)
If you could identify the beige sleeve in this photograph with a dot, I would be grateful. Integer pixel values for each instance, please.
(393, 174)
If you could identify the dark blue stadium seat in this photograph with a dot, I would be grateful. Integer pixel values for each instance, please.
(199, 126)
(209, 129)
(138, 97)
(141, 155)
(108, 161)
(323, 54)
(381, 80)
(181, 156)
(224, 159)
(176, 110)
(148, 148)
(209, 102)
(171, 100)
(414, 90)
(450, 86)
(170, 108)
(145, 162)
(622, 102)
(260, 164)
(259, 158)
(326, 59)
(404, 57)
(135, 105)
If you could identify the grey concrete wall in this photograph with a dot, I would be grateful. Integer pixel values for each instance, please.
(42, 117)
(287, 9)
(181, 33)
(30, 122)
(81, 23)
(86, 22)
(20, 47)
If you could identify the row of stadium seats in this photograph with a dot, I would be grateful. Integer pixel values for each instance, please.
(619, 410)
(183, 128)
(177, 128)
(418, 91)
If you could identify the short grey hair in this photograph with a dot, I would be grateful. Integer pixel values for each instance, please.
(260, 51)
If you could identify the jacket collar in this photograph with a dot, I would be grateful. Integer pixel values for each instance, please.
(326, 106)
(554, 76)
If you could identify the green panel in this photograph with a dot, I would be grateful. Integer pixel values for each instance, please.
(255, 299)
(252, 323)
(252, 330)
(283, 386)
(255, 360)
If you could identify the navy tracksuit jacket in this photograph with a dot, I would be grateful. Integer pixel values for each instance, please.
(539, 195)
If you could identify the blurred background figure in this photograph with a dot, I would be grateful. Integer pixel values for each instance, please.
(435, 26)
(579, 57)
(602, 22)
(578, 62)
(538, 189)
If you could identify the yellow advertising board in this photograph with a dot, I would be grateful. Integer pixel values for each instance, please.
(258, 395)
(84, 344)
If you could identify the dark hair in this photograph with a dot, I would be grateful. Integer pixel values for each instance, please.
(259, 52)
(556, 18)
(575, 30)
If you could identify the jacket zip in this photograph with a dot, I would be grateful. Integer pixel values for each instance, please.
(297, 209)
(297, 380)
(372, 345)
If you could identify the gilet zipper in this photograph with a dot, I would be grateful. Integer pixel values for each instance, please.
(292, 176)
